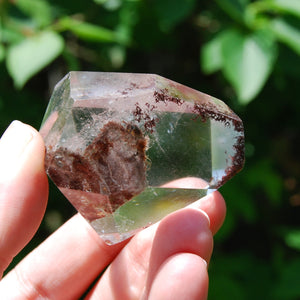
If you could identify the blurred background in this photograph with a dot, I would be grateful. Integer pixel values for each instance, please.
(246, 53)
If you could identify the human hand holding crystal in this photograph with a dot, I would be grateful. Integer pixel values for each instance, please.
(168, 260)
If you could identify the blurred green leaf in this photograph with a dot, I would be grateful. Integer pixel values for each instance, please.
(234, 8)
(117, 56)
(211, 55)
(87, 31)
(225, 288)
(248, 60)
(38, 10)
(53, 220)
(249, 277)
(289, 62)
(287, 34)
(31, 55)
(171, 12)
(292, 239)
(11, 35)
(244, 207)
(262, 174)
(2, 52)
(228, 226)
(288, 287)
(109, 4)
(71, 60)
(128, 17)
(289, 6)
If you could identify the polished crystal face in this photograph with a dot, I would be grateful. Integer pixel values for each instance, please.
(127, 149)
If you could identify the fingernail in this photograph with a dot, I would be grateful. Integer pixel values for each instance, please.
(12, 144)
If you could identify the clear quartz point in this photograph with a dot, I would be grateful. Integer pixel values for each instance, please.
(127, 149)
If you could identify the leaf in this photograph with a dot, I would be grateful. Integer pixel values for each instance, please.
(288, 287)
(292, 239)
(248, 60)
(31, 55)
(109, 4)
(287, 34)
(88, 32)
(2, 52)
(128, 18)
(287, 6)
(263, 175)
(10, 35)
(39, 10)
(71, 60)
(234, 8)
(211, 55)
(171, 12)
(117, 56)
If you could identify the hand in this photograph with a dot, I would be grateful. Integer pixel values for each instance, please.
(168, 260)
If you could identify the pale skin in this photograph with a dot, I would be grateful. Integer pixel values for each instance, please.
(168, 260)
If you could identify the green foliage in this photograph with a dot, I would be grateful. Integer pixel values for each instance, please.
(292, 238)
(249, 50)
(30, 56)
(234, 8)
(246, 60)
(2, 53)
(249, 57)
(212, 54)
(288, 287)
(171, 12)
(87, 31)
(39, 11)
(240, 284)
(284, 6)
(248, 64)
(34, 34)
(286, 34)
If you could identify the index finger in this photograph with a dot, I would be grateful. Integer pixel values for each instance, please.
(23, 189)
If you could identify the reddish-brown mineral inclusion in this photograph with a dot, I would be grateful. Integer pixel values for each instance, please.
(113, 165)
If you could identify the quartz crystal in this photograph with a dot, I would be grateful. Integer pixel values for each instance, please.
(127, 149)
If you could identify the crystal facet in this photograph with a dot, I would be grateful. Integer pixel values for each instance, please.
(126, 149)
